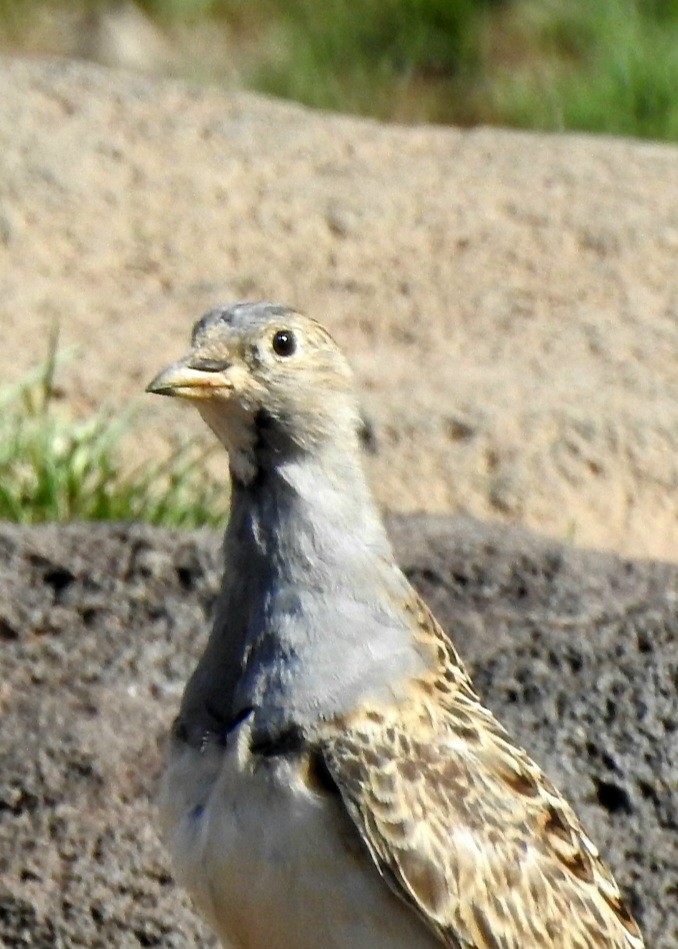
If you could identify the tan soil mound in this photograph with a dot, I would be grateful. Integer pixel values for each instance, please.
(509, 301)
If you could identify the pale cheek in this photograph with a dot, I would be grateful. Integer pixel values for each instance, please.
(234, 427)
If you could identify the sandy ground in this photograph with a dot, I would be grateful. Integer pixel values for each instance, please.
(509, 301)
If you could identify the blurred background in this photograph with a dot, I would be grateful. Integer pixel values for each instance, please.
(533, 277)
(604, 66)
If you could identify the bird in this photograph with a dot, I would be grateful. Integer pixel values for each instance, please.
(333, 779)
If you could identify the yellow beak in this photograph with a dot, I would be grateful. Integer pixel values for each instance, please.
(185, 381)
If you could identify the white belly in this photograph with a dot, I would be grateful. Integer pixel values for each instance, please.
(271, 863)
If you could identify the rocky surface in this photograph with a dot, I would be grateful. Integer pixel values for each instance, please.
(509, 301)
(99, 626)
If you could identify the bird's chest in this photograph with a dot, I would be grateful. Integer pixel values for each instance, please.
(272, 861)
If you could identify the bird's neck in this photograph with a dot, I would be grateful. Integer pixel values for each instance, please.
(314, 507)
(309, 619)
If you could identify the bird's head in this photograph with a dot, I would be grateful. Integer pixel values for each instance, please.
(270, 382)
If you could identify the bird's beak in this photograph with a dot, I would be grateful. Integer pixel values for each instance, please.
(191, 378)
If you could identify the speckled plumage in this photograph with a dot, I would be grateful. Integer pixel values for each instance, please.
(334, 781)
(464, 825)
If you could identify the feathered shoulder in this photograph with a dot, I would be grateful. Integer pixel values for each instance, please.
(464, 826)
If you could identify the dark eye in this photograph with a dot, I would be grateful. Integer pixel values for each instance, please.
(284, 343)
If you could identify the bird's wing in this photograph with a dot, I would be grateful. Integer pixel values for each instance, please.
(467, 829)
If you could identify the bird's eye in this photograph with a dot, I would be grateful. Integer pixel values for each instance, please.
(284, 343)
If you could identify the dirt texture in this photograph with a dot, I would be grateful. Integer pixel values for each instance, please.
(100, 625)
(509, 301)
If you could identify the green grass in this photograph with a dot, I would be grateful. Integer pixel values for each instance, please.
(594, 65)
(609, 66)
(53, 468)
(384, 60)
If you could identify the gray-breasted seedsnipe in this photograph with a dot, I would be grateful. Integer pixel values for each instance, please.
(334, 781)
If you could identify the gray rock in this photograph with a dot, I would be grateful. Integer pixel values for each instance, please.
(100, 624)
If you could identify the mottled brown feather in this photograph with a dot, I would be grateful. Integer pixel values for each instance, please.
(464, 826)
